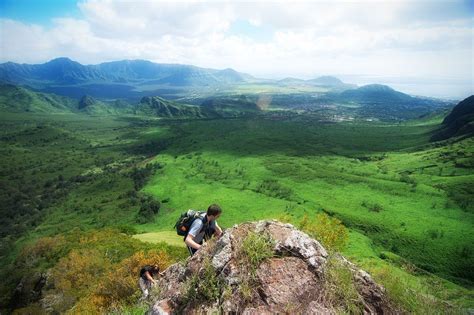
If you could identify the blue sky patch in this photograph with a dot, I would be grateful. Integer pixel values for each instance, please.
(38, 11)
(245, 28)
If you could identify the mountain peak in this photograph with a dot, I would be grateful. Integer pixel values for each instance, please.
(327, 80)
(62, 60)
(376, 88)
(228, 70)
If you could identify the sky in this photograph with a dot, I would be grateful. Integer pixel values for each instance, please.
(421, 47)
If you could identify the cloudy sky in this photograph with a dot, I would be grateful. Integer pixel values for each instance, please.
(413, 45)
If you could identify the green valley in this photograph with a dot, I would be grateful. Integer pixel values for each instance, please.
(405, 200)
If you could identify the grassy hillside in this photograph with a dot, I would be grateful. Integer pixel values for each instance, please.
(17, 99)
(385, 181)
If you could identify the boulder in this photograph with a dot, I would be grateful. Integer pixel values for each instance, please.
(294, 279)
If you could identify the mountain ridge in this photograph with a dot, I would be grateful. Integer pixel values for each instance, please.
(459, 122)
(65, 71)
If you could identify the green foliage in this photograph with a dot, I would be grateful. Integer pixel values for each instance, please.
(255, 249)
(413, 300)
(148, 209)
(127, 229)
(139, 175)
(78, 272)
(461, 194)
(329, 231)
(117, 287)
(204, 287)
(96, 271)
(339, 288)
(272, 188)
(308, 158)
(374, 207)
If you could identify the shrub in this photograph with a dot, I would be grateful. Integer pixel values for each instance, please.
(127, 229)
(329, 231)
(96, 271)
(148, 209)
(374, 207)
(205, 286)
(79, 272)
(45, 250)
(118, 287)
(255, 249)
(405, 178)
(273, 188)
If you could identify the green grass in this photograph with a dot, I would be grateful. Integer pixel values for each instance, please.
(169, 237)
(255, 168)
(336, 168)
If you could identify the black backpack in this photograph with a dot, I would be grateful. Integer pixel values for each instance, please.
(183, 225)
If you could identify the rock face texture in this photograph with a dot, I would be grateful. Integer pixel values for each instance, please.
(298, 277)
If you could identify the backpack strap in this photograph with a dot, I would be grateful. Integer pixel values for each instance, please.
(205, 223)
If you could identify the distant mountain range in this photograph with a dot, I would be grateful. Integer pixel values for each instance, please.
(173, 90)
(327, 81)
(64, 71)
(133, 78)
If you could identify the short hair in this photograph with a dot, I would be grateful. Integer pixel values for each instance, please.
(214, 210)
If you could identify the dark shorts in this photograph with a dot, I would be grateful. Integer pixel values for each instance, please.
(191, 250)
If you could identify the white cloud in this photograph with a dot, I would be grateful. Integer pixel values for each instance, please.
(392, 38)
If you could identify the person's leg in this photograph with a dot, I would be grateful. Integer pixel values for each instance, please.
(144, 287)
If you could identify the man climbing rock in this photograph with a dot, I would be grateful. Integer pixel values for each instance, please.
(203, 227)
(147, 280)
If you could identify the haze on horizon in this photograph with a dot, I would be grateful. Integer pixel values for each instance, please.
(418, 47)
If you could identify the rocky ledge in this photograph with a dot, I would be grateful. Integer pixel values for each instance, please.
(296, 275)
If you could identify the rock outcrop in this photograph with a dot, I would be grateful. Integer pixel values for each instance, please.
(299, 276)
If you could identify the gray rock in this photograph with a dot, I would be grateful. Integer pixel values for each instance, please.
(290, 282)
(223, 252)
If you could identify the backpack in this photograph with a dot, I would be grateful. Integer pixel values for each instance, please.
(183, 225)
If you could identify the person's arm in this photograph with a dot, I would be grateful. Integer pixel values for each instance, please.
(218, 230)
(195, 229)
(191, 243)
(149, 277)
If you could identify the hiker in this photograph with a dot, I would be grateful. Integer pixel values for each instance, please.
(203, 228)
(146, 281)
